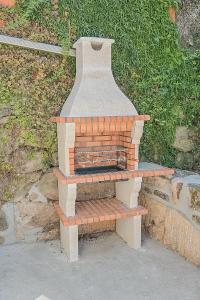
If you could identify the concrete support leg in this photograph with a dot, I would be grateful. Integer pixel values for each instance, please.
(66, 140)
(69, 241)
(136, 135)
(68, 235)
(128, 191)
(67, 193)
(67, 198)
(130, 231)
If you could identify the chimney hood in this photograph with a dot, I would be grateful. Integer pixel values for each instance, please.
(95, 92)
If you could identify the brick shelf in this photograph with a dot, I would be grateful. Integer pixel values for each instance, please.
(93, 211)
(108, 176)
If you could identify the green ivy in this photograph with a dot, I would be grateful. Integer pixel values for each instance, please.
(159, 76)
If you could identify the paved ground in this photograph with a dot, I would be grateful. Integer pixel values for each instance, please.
(107, 269)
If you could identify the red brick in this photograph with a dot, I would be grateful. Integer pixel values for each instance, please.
(112, 125)
(83, 138)
(107, 126)
(2, 23)
(7, 3)
(102, 138)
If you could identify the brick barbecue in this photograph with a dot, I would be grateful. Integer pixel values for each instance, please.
(99, 132)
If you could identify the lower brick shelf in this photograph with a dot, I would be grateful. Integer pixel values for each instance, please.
(92, 211)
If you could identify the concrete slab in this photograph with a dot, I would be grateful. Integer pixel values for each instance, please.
(107, 269)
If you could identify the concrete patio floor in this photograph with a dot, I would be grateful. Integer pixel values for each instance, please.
(107, 269)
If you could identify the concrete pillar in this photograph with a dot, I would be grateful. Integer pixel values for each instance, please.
(67, 198)
(136, 135)
(129, 229)
(127, 191)
(66, 140)
(67, 192)
(69, 241)
(68, 235)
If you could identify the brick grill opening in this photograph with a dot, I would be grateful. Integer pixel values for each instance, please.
(102, 142)
(97, 151)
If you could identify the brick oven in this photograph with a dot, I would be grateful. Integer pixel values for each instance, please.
(99, 132)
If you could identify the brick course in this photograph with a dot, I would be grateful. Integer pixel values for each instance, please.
(93, 211)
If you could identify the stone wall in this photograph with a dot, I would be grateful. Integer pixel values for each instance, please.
(30, 216)
(173, 203)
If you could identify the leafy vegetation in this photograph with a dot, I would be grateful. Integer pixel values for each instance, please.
(158, 75)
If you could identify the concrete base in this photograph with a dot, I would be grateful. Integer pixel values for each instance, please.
(130, 231)
(69, 241)
(107, 269)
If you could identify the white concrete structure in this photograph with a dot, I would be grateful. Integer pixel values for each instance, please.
(95, 92)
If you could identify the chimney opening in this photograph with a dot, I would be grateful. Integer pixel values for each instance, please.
(97, 46)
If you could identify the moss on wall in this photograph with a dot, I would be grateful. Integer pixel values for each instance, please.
(33, 87)
(149, 64)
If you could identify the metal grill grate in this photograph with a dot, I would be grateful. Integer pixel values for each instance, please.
(95, 170)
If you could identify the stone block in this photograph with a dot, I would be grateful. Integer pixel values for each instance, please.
(5, 111)
(23, 184)
(188, 23)
(160, 182)
(184, 139)
(24, 162)
(49, 232)
(6, 145)
(161, 195)
(186, 193)
(185, 159)
(4, 120)
(46, 188)
(8, 235)
(154, 220)
(158, 187)
(3, 221)
(194, 190)
(32, 219)
(36, 214)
